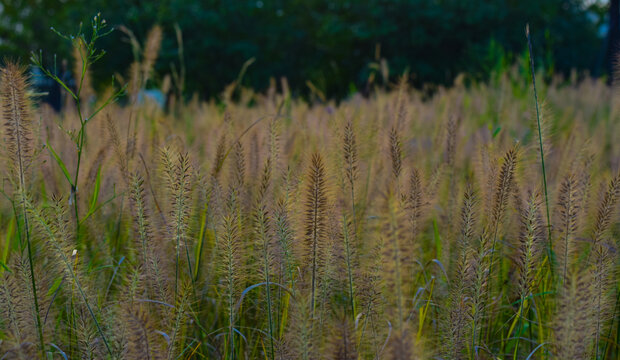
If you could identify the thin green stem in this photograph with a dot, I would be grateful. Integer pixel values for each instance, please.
(74, 189)
(354, 235)
(176, 270)
(349, 266)
(74, 277)
(519, 325)
(499, 281)
(79, 143)
(611, 327)
(314, 245)
(267, 287)
(398, 280)
(231, 306)
(540, 142)
(34, 287)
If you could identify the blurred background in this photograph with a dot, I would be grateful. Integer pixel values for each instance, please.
(333, 48)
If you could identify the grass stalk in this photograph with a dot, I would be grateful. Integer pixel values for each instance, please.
(69, 268)
(32, 280)
(540, 143)
(350, 159)
(349, 265)
(18, 122)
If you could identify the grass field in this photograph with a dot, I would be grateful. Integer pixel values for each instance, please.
(399, 226)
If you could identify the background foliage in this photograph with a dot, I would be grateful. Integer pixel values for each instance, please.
(329, 43)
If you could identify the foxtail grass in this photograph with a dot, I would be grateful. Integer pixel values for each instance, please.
(540, 142)
(18, 125)
(230, 239)
(316, 202)
(350, 232)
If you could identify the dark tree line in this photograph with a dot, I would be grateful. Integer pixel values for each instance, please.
(329, 43)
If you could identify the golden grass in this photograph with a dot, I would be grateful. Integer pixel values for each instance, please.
(398, 226)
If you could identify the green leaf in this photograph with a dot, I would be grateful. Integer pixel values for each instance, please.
(499, 128)
(3, 266)
(94, 210)
(60, 163)
(93, 200)
(437, 238)
(55, 286)
(201, 237)
(10, 231)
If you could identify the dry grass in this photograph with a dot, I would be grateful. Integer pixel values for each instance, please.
(393, 227)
